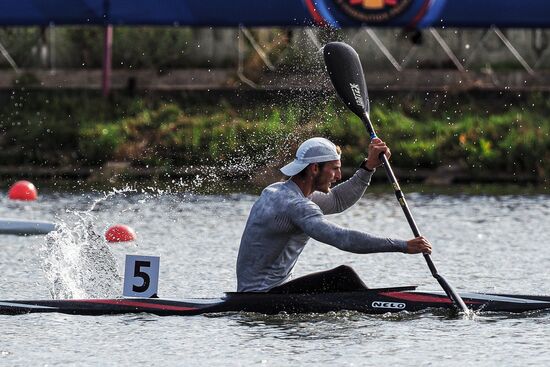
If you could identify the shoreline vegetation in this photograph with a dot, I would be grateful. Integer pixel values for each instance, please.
(434, 137)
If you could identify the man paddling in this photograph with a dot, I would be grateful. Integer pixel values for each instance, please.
(288, 213)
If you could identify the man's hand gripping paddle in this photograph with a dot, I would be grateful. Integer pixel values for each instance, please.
(346, 74)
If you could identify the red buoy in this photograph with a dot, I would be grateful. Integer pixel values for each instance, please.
(120, 233)
(23, 190)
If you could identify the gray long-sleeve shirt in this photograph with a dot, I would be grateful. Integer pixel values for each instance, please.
(281, 222)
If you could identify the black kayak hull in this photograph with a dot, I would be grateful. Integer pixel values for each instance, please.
(370, 301)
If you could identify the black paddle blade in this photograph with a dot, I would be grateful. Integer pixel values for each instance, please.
(346, 73)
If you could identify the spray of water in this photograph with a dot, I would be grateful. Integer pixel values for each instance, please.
(77, 261)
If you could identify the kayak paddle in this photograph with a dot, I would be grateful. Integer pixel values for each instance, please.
(346, 74)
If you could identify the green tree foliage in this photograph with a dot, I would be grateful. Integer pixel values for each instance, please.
(86, 130)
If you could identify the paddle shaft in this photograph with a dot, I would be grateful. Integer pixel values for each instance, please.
(451, 292)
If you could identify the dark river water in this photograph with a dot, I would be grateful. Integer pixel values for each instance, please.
(490, 243)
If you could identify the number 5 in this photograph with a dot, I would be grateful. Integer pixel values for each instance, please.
(141, 276)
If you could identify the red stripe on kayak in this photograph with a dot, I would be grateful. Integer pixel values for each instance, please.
(154, 306)
(414, 297)
(317, 18)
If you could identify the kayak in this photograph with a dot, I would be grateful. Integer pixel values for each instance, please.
(370, 301)
(25, 227)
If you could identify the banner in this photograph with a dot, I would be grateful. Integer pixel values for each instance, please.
(280, 13)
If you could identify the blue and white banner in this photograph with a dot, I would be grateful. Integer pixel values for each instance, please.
(327, 13)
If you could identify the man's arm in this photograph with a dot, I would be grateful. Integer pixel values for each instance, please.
(312, 221)
(343, 195)
(347, 193)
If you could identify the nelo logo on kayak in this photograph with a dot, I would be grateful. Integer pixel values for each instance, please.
(392, 305)
(357, 94)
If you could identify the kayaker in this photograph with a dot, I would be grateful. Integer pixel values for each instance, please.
(288, 213)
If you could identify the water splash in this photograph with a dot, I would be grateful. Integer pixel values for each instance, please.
(77, 261)
(107, 195)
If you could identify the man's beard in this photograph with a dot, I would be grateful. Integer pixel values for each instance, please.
(317, 184)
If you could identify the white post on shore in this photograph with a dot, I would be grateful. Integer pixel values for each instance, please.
(107, 59)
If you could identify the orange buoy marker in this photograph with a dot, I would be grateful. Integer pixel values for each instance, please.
(120, 233)
(23, 190)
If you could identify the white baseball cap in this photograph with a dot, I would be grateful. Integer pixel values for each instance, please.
(314, 150)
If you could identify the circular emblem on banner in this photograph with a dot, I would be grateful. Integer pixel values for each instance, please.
(373, 11)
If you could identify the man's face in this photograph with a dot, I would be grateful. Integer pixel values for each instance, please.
(327, 175)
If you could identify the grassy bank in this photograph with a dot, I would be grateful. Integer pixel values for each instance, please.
(512, 136)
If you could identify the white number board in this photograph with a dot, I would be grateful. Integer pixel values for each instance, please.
(141, 276)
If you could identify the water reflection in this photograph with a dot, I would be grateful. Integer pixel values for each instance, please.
(331, 325)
